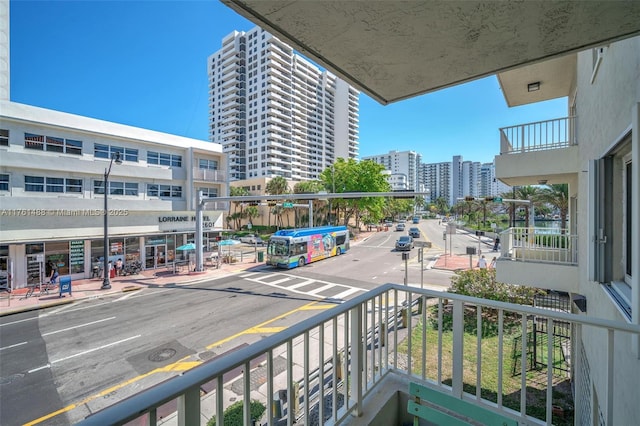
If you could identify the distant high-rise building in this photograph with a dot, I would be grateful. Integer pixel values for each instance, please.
(275, 113)
(459, 179)
(436, 179)
(405, 163)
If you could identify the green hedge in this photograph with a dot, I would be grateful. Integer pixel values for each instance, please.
(233, 415)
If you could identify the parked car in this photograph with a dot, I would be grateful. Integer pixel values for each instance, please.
(400, 227)
(252, 239)
(404, 243)
(414, 232)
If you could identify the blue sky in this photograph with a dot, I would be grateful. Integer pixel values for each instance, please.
(144, 63)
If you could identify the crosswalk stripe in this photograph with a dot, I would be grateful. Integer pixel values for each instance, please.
(301, 284)
(250, 274)
(321, 289)
(346, 293)
(282, 280)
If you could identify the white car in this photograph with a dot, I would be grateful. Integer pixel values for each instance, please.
(252, 239)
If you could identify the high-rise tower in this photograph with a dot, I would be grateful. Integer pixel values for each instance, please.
(275, 113)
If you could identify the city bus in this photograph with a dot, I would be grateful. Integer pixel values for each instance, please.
(289, 248)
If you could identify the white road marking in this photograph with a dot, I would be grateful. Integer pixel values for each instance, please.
(321, 289)
(13, 346)
(346, 293)
(282, 280)
(302, 284)
(341, 288)
(77, 326)
(82, 353)
(18, 322)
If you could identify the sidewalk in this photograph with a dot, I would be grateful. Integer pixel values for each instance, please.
(89, 288)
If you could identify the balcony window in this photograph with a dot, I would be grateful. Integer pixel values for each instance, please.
(32, 141)
(107, 151)
(4, 137)
(4, 182)
(611, 256)
(34, 183)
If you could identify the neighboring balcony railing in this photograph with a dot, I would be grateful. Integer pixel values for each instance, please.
(216, 205)
(538, 136)
(209, 175)
(539, 245)
(320, 370)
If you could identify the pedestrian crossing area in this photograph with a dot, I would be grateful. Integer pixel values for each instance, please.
(301, 285)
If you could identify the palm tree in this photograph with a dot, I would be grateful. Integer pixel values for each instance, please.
(236, 191)
(277, 186)
(557, 195)
(531, 194)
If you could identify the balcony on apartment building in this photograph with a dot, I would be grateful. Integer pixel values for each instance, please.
(533, 154)
(349, 365)
(208, 175)
(543, 150)
(539, 257)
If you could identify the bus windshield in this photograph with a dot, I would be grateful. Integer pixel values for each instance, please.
(278, 247)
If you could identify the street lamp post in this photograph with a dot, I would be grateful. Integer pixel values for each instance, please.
(106, 282)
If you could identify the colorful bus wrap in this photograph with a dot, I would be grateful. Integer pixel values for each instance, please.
(289, 248)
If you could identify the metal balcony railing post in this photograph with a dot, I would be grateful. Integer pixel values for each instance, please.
(355, 372)
(458, 347)
(189, 407)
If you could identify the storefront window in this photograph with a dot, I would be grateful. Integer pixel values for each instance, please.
(58, 254)
(171, 248)
(97, 249)
(132, 249)
(34, 248)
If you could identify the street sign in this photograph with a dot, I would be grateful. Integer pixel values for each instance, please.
(426, 244)
(287, 205)
(497, 200)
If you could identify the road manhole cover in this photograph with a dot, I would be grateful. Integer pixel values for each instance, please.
(162, 354)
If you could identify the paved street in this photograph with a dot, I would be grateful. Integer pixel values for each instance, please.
(76, 354)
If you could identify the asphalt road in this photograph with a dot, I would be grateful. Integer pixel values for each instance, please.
(61, 364)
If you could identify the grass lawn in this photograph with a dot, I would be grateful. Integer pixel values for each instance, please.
(536, 378)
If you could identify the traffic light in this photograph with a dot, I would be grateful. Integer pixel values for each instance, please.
(253, 203)
(469, 198)
(218, 238)
(489, 198)
(271, 203)
(403, 194)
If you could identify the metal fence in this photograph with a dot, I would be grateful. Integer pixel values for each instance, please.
(320, 370)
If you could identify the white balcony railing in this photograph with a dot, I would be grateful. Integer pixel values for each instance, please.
(209, 175)
(538, 136)
(539, 245)
(326, 365)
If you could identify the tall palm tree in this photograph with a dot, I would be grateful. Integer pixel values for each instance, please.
(237, 191)
(277, 186)
(531, 194)
(557, 195)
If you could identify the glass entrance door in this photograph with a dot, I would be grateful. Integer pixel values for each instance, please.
(155, 256)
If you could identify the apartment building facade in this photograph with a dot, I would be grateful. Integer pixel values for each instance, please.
(596, 153)
(275, 113)
(400, 163)
(52, 192)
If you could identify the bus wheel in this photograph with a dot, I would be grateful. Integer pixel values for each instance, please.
(338, 251)
(301, 261)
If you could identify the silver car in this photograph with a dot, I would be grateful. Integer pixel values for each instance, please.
(404, 243)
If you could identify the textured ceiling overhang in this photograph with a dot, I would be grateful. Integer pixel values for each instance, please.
(393, 50)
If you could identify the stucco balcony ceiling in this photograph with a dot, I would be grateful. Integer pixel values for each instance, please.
(393, 50)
